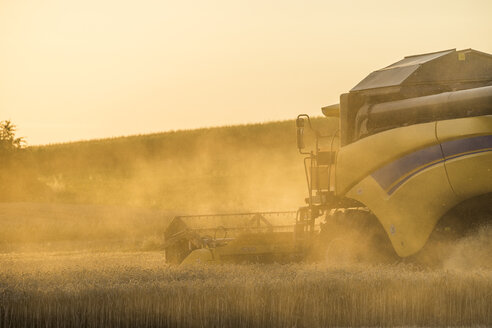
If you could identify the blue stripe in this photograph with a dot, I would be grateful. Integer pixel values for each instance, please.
(454, 147)
(393, 171)
(402, 181)
(391, 176)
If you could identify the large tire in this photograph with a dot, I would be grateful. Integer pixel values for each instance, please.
(352, 236)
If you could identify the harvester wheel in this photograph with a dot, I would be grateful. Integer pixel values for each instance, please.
(354, 236)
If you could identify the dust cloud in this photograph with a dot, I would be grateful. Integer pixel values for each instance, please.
(469, 253)
(472, 252)
(122, 192)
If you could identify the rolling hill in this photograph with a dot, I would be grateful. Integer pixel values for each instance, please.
(233, 168)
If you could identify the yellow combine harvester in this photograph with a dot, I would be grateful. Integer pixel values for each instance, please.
(413, 155)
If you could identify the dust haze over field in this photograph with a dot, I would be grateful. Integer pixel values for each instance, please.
(82, 236)
(125, 190)
(251, 167)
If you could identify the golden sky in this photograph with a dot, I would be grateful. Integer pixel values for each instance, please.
(72, 70)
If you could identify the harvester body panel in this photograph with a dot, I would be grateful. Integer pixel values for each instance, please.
(406, 196)
(409, 192)
(467, 147)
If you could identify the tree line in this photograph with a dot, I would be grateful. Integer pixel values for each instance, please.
(8, 140)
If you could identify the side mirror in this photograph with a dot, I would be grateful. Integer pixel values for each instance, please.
(300, 132)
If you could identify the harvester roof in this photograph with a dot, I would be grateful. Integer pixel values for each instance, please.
(443, 67)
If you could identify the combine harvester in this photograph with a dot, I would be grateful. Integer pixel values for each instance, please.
(412, 155)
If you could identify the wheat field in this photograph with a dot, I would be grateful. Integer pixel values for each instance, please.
(130, 289)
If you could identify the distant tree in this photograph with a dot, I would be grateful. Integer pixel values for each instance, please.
(8, 141)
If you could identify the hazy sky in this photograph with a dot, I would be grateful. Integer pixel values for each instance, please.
(72, 70)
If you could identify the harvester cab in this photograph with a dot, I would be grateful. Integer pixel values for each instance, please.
(414, 144)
